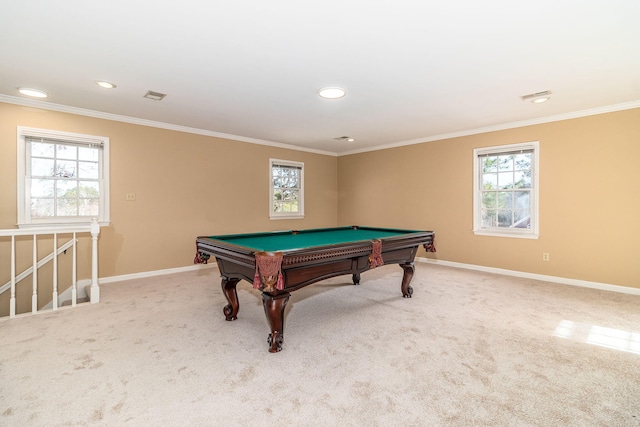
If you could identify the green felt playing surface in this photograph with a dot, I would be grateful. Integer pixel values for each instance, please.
(286, 241)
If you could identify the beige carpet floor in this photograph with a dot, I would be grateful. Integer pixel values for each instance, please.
(469, 349)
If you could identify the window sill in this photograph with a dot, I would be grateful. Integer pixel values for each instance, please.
(287, 217)
(513, 234)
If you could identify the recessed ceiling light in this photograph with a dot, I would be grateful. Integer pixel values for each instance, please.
(345, 138)
(105, 85)
(36, 93)
(540, 100)
(332, 92)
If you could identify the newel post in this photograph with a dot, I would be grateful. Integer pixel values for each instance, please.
(95, 288)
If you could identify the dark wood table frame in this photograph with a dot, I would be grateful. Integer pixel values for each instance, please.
(303, 267)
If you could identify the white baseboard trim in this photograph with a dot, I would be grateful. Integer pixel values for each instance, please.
(542, 277)
(144, 274)
(81, 285)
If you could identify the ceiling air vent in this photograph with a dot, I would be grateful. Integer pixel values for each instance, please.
(156, 96)
(532, 96)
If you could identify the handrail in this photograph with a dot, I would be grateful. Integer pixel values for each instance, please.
(42, 262)
(93, 228)
(67, 229)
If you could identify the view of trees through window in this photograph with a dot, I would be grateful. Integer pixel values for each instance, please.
(64, 180)
(506, 183)
(286, 188)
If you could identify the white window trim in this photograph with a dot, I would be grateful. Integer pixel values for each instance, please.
(523, 233)
(24, 219)
(286, 215)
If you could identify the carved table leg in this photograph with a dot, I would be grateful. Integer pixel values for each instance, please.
(229, 289)
(274, 310)
(409, 269)
(356, 279)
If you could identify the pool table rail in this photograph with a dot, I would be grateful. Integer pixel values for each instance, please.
(305, 266)
(330, 260)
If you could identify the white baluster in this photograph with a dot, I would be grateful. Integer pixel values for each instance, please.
(34, 296)
(95, 289)
(12, 302)
(54, 298)
(74, 289)
(15, 279)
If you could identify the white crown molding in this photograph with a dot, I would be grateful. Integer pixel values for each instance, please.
(151, 123)
(143, 122)
(541, 277)
(540, 120)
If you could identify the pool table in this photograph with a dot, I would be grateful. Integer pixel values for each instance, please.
(280, 262)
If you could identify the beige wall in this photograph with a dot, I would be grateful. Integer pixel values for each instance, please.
(589, 198)
(186, 185)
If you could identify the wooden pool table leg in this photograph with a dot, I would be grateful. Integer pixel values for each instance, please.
(229, 289)
(409, 269)
(356, 278)
(274, 310)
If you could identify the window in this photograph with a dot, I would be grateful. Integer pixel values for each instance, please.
(62, 177)
(286, 193)
(506, 190)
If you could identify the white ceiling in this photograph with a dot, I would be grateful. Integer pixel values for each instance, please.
(413, 70)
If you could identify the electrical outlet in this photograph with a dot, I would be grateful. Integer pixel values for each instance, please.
(545, 256)
(130, 197)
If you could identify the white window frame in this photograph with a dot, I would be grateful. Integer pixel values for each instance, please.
(533, 232)
(24, 198)
(286, 215)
